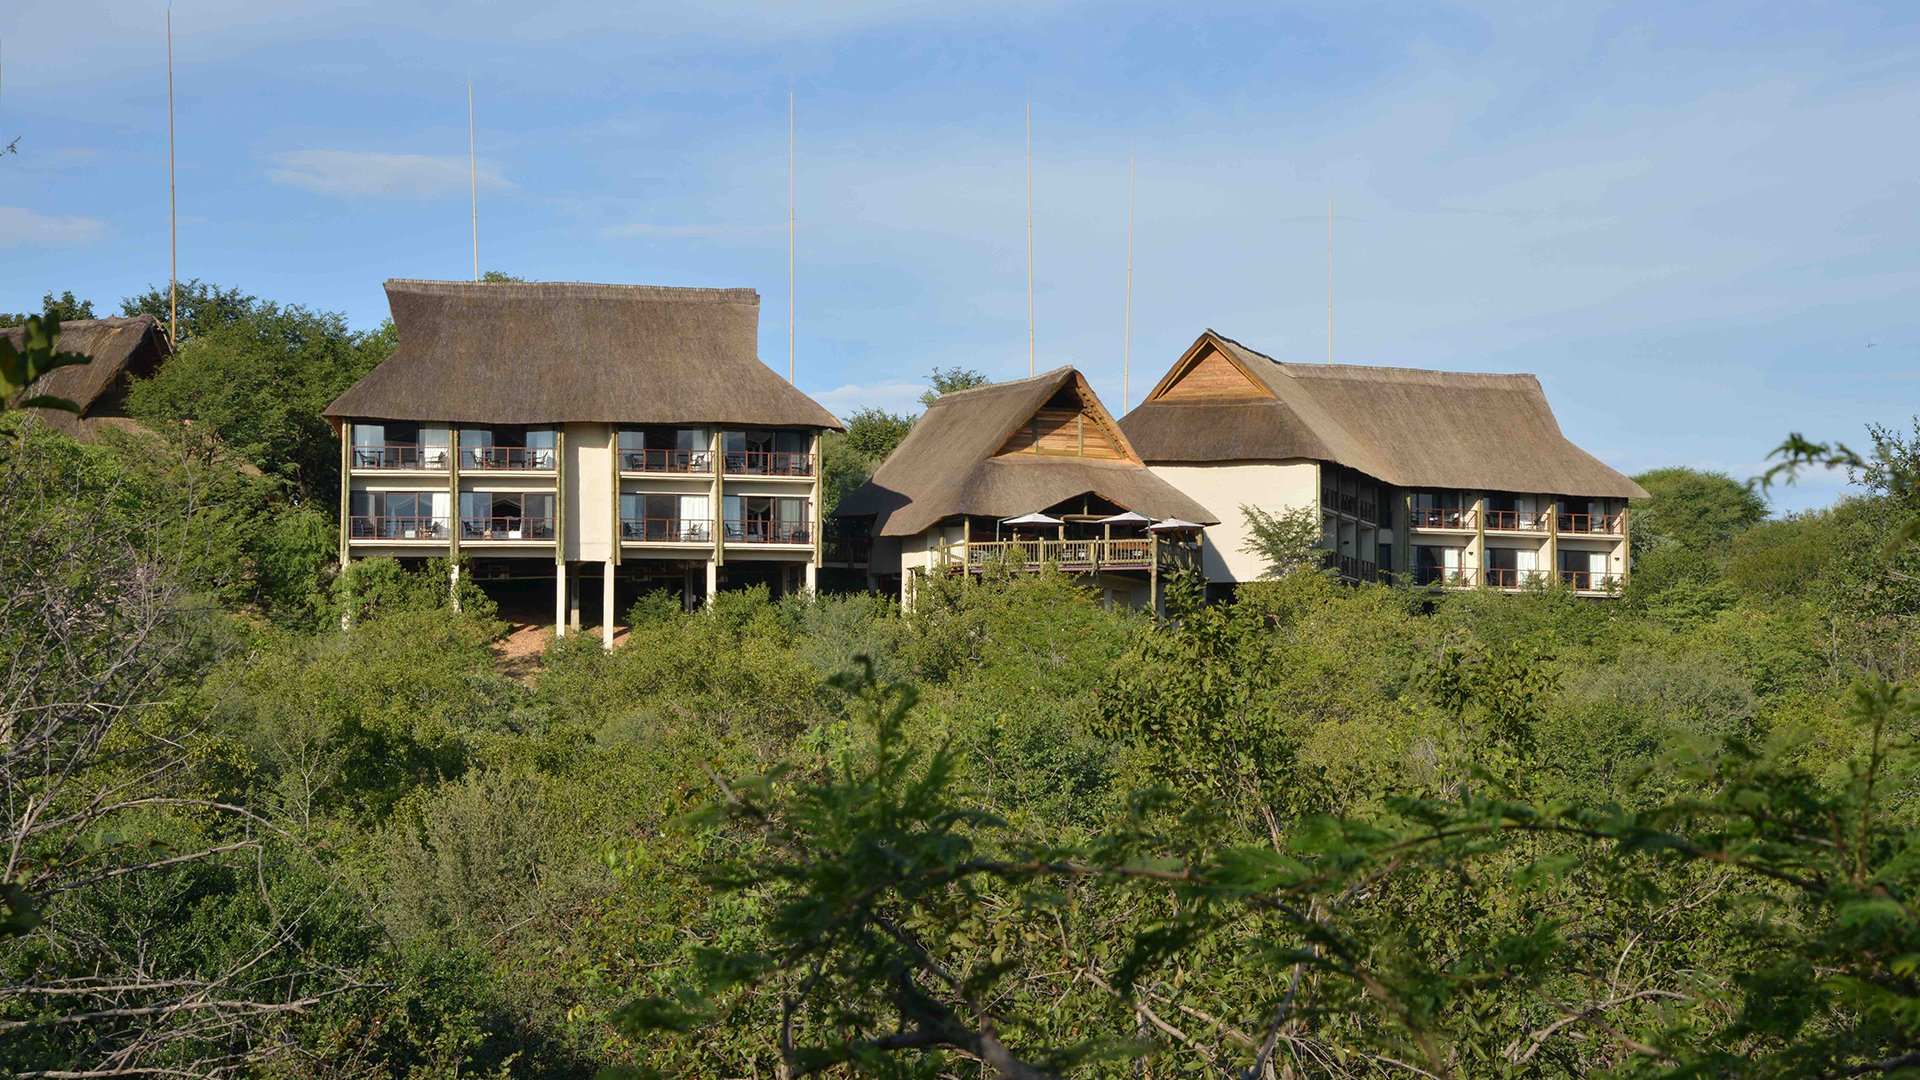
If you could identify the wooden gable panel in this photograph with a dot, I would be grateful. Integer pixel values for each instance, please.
(1072, 432)
(1214, 377)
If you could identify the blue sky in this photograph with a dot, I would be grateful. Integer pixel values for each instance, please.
(1695, 222)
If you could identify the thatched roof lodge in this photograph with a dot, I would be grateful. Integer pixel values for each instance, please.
(980, 457)
(552, 352)
(119, 351)
(1434, 477)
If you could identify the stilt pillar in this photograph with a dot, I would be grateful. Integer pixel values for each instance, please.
(560, 599)
(606, 606)
(713, 581)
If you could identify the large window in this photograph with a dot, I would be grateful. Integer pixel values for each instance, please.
(499, 515)
(1435, 565)
(764, 519)
(681, 519)
(399, 445)
(765, 452)
(398, 515)
(508, 448)
(665, 449)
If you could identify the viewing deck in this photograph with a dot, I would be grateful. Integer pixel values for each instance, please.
(1073, 556)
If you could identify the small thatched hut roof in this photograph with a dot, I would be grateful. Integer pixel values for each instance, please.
(119, 350)
(1441, 429)
(553, 352)
(1008, 449)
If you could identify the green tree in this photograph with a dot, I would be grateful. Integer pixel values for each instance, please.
(66, 308)
(1285, 543)
(1692, 508)
(849, 458)
(947, 380)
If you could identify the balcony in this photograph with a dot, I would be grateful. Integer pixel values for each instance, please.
(508, 458)
(768, 463)
(401, 456)
(1369, 512)
(1439, 517)
(397, 527)
(502, 529)
(1527, 521)
(1592, 524)
(1073, 556)
(1446, 577)
(666, 531)
(762, 531)
(696, 462)
(1592, 581)
(1513, 578)
(1349, 567)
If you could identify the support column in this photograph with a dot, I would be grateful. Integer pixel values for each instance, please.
(560, 598)
(573, 604)
(606, 607)
(453, 583)
(713, 580)
(812, 578)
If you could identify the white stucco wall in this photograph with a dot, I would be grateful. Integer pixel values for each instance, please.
(589, 492)
(1273, 486)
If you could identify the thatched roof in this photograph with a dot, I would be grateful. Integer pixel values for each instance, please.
(1410, 428)
(952, 463)
(119, 348)
(526, 353)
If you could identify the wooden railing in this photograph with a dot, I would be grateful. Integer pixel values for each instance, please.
(1350, 567)
(396, 527)
(1513, 578)
(507, 457)
(1369, 511)
(401, 456)
(1517, 521)
(1452, 577)
(1132, 553)
(1436, 517)
(1592, 524)
(1592, 581)
(511, 527)
(853, 550)
(666, 461)
(761, 531)
(767, 463)
(666, 530)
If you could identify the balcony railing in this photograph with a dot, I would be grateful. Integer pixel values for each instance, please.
(507, 457)
(1516, 521)
(1592, 581)
(666, 461)
(1134, 553)
(1592, 524)
(401, 456)
(852, 550)
(1350, 567)
(762, 531)
(396, 527)
(767, 463)
(666, 530)
(1436, 517)
(1369, 511)
(1451, 577)
(484, 529)
(1513, 578)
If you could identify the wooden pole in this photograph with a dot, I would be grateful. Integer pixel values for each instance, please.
(173, 206)
(790, 203)
(1030, 362)
(473, 179)
(1126, 369)
(1329, 277)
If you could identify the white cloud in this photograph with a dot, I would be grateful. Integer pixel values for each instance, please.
(20, 227)
(371, 173)
(893, 395)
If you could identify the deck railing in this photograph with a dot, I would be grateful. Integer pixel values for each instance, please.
(1592, 580)
(507, 527)
(1452, 577)
(762, 531)
(1517, 521)
(1592, 524)
(507, 457)
(1369, 511)
(396, 527)
(1513, 578)
(1130, 553)
(767, 463)
(666, 461)
(666, 530)
(1439, 517)
(401, 456)
(852, 550)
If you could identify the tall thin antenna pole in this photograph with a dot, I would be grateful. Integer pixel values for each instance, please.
(1029, 238)
(173, 205)
(473, 179)
(1329, 277)
(790, 201)
(1126, 370)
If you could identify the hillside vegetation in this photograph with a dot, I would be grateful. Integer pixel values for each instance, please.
(1321, 831)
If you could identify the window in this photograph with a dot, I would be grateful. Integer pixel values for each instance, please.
(398, 515)
(499, 515)
(664, 449)
(765, 452)
(664, 518)
(500, 447)
(765, 519)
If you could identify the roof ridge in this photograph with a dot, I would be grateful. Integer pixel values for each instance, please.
(1004, 384)
(576, 289)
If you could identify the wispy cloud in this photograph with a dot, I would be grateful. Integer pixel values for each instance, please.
(893, 395)
(378, 175)
(20, 227)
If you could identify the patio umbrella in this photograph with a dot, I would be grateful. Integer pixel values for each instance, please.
(1176, 525)
(1127, 518)
(1035, 518)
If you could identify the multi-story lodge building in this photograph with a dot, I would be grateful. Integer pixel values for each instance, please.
(1426, 477)
(547, 431)
(1018, 475)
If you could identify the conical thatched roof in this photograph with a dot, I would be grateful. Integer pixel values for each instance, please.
(1410, 428)
(119, 348)
(955, 461)
(525, 353)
